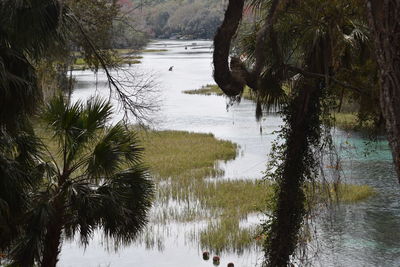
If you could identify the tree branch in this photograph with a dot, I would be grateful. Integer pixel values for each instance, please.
(229, 84)
(232, 78)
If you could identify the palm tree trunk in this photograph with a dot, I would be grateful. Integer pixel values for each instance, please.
(53, 236)
(383, 16)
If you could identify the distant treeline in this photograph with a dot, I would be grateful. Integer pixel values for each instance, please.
(177, 19)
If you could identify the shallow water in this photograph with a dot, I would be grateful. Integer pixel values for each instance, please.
(357, 235)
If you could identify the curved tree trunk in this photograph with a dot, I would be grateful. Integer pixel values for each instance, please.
(232, 78)
(384, 21)
(230, 84)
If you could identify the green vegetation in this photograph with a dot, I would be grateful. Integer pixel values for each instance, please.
(185, 19)
(121, 57)
(88, 176)
(172, 154)
(349, 193)
(151, 50)
(180, 175)
(323, 50)
(351, 122)
(184, 166)
(212, 89)
(227, 235)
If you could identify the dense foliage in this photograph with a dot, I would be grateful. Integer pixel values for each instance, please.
(46, 194)
(188, 19)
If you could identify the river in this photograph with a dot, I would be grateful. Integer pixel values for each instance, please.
(365, 234)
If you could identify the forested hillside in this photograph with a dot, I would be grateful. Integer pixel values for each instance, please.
(177, 19)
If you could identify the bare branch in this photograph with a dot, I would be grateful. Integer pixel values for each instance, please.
(137, 98)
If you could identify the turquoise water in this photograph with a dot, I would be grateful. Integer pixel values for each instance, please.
(365, 234)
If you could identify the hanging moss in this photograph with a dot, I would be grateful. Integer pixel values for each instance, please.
(293, 163)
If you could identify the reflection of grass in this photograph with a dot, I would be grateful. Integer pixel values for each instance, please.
(212, 89)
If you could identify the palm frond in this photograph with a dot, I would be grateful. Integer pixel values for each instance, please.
(18, 90)
(29, 248)
(18, 175)
(117, 147)
(119, 207)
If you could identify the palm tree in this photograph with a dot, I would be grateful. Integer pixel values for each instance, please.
(27, 31)
(93, 179)
(19, 172)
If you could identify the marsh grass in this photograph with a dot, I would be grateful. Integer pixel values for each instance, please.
(226, 235)
(120, 56)
(181, 162)
(212, 89)
(350, 122)
(151, 50)
(127, 51)
(182, 155)
(80, 63)
(350, 193)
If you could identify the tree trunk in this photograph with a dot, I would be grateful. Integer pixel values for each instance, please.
(53, 236)
(290, 207)
(383, 16)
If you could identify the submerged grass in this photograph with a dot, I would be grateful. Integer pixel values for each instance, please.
(234, 198)
(227, 235)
